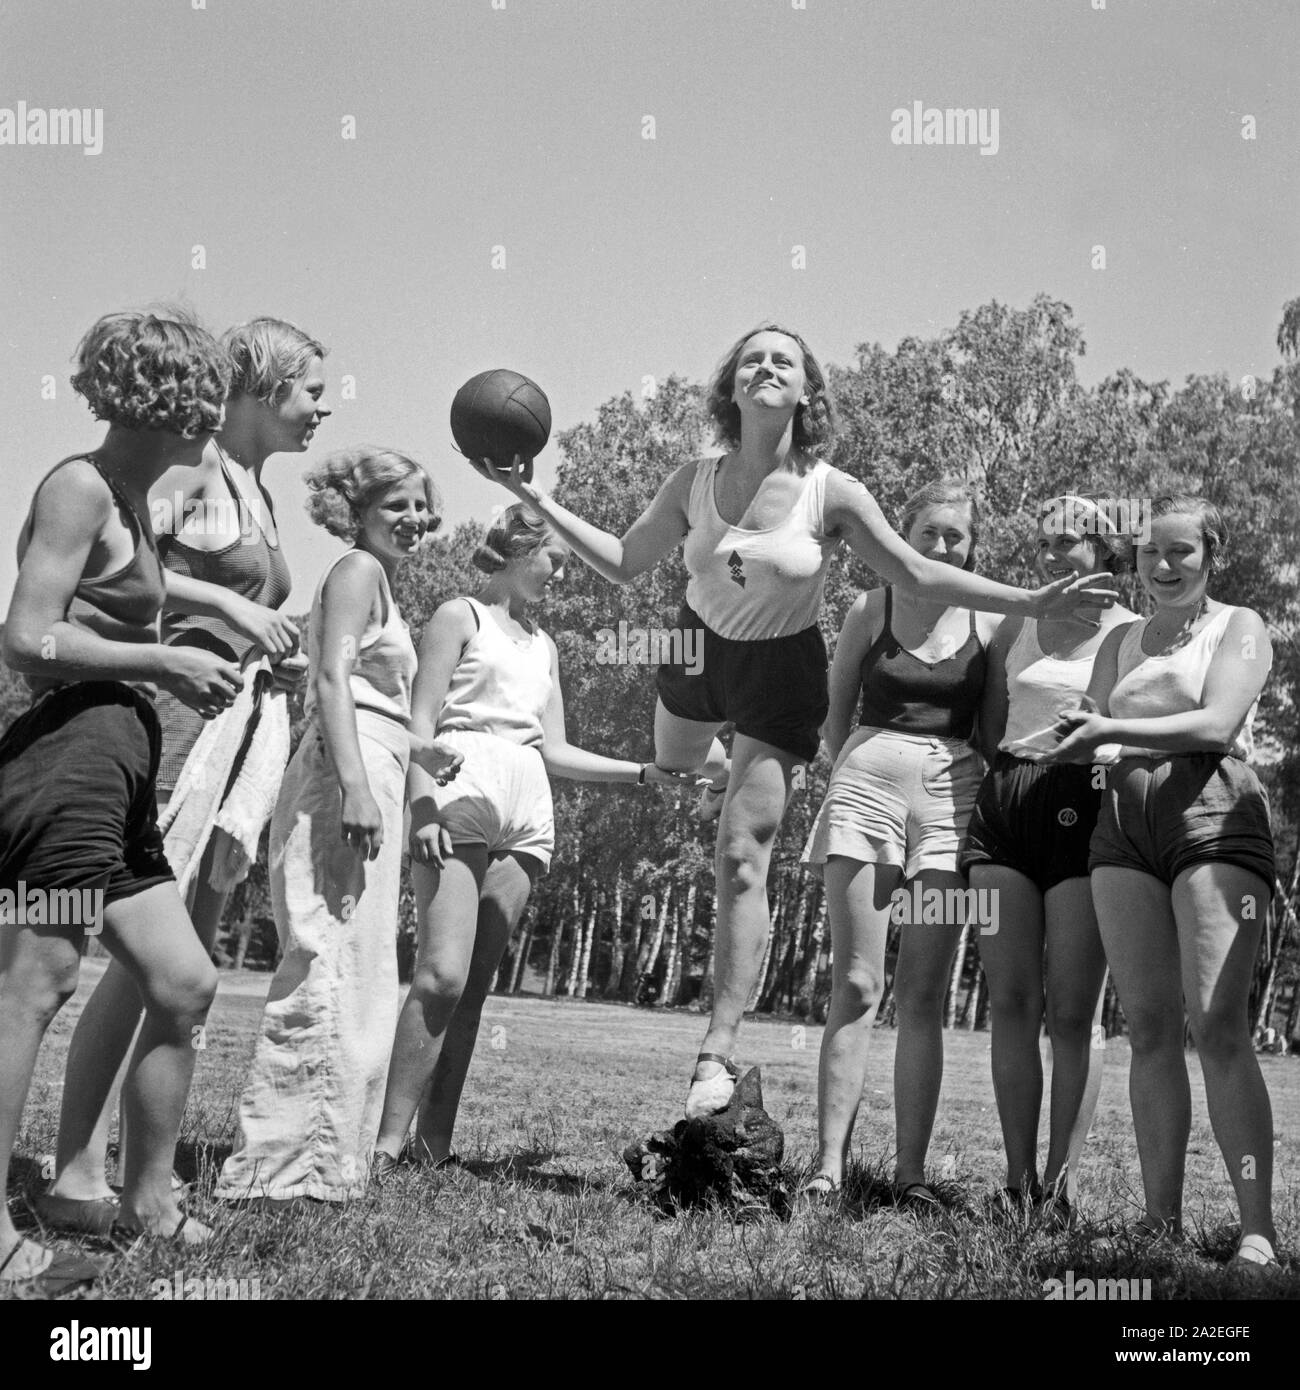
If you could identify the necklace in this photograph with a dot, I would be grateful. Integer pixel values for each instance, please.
(1183, 633)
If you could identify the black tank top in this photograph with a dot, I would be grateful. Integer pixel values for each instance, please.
(910, 696)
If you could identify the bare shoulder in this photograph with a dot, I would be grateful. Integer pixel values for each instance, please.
(73, 497)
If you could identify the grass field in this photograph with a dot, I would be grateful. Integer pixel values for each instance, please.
(546, 1208)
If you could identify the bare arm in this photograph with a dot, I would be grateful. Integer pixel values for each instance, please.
(349, 597)
(70, 514)
(657, 531)
(562, 759)
(995, 700)
(853, 513)
(450, 629)
(860, 622)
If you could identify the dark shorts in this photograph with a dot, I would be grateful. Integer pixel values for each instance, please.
(1035, 818)
(773, 690)
(1162, 815)
(77, 806)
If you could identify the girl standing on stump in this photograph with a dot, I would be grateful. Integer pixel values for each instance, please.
(760, 526)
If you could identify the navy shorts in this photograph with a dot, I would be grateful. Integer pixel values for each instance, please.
(1162, 815)
(773, 690)
(77, 807)
(1036, 818)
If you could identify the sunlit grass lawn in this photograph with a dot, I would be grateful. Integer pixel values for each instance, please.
(546, 1208)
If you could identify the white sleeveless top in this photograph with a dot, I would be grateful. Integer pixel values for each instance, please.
(384, 670)
(501, 685)
(751, 585)
(1173, 683)
(1038, 686)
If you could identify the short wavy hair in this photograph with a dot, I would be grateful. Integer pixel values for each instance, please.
(815, 424)
(1214, 530)
(343, 484)
(944, 492)
(1113, 546)
(153, 371)
(516, 532)
(267, 356)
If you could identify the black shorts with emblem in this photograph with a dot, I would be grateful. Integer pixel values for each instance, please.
(1035, 818)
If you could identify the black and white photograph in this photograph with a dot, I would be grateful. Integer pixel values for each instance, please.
(650, 652)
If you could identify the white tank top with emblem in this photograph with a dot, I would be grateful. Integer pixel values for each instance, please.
(1172, 683)
(753, 585)
(501, 684)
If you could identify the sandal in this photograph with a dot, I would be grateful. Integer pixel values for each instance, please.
(916, 1196)
(86, 1216)
(61, 1274)
(1254, 1255)
(820, 1190)
(709, 1095)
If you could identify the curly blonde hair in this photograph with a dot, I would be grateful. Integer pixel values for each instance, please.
(346, 482)
(516, 532)
(267, 356)
(153, 371)
(815, 424)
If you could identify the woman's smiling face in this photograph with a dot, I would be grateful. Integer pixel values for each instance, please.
(1172, 563)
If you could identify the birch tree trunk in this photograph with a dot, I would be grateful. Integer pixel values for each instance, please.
(617, 944)
(588, 936)
(579, 925)
(812, 956)
(651, 956)
(672, 946)
(955, 979)
(706, 984)
(520, 963)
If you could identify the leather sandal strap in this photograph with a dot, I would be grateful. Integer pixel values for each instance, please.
(713, 1057)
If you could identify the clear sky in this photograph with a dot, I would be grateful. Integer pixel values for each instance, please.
(523, 127)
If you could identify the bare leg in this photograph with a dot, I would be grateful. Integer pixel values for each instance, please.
(1013, 966)
(1076, 971)
(153, 937)
(924, 967)
(1141, 941)
(757, 793)
(447, 902)
(506, 886)
(1220, 911)
(857, 908)
(98, 1056)
(686, 745)
(38, 974)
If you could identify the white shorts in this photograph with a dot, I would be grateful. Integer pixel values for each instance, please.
(500, 798)
(898, 799)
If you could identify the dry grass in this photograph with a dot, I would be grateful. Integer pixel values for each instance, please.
(546, 1209)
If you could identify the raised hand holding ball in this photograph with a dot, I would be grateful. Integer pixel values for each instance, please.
(499, 417)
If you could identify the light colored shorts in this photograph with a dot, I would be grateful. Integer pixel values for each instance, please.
(898, 799)
(500, 798)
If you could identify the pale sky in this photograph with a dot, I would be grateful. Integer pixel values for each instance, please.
(522, 127)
